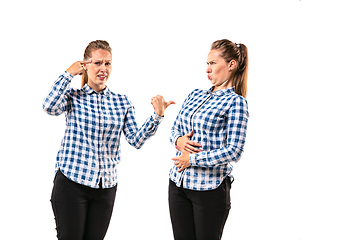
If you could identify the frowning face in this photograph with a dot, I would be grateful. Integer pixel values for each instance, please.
(218, 71)
(99, 69)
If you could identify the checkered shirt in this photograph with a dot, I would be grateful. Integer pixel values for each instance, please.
(219, 121)
(90, 149)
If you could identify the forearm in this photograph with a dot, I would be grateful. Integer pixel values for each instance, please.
(137, 137)
(216, 157)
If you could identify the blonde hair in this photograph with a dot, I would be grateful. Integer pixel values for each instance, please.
(239, 53)
(92, 46)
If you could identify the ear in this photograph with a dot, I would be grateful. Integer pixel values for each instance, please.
(232, 65)
(86, 65)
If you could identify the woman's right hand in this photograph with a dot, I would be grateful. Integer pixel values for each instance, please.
(77, 68)
(184, 144)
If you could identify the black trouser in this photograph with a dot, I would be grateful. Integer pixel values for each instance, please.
(81, 212)
(199, 215)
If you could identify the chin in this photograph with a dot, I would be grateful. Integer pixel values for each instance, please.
(100, 82)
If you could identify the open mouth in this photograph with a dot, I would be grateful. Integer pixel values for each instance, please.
(101, 76)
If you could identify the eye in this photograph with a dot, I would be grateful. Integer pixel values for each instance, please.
(108, 64)
(97, 63)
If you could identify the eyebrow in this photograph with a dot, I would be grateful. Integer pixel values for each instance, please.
(214, 60)
(100, 60)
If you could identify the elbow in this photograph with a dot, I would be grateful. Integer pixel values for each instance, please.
(137, 146)
(50, 111)
(237, 154)
(238, 158)
(233, 154)
(50, 108)
(47, 109)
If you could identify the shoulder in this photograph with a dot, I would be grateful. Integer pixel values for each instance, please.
(195, 95)
(238, 99)
(198, 92)
(240, 103)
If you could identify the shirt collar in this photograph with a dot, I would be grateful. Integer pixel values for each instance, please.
(222, 91)
(91, 91)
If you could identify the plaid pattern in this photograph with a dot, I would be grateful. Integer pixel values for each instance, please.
(219, 121)
(90, 149)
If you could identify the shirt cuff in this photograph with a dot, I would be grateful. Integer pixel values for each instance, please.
(68, 75)
(157, 118)
(174, 139)
(155, 121)
(192, 159)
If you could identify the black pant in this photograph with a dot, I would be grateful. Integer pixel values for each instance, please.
(81, 212)
(199, 215)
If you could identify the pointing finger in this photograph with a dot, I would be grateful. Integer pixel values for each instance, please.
(85, 62)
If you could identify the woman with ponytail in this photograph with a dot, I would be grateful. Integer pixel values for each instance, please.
(209, 133)
(85, 171)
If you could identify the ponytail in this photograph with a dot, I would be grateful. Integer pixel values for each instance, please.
(84, 79)
(240, 75)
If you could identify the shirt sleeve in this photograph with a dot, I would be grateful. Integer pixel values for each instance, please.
(236, 135)
(137, 137)
(57, 101)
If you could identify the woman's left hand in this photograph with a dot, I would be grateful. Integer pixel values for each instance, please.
(160, 105)
(182, 162)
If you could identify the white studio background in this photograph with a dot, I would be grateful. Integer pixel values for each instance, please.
(299, 175)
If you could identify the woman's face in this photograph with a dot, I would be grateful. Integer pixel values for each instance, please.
(218, 71)
(99, 69)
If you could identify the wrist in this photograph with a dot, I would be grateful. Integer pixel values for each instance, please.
(176, 141)
(159, 113)
(70, 72)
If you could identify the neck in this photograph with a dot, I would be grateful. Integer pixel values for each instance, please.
(97, 88)
(224, 85)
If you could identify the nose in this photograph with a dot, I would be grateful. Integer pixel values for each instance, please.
(103, 67)
(208, 69)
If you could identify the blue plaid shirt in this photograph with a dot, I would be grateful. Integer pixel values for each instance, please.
(90, 149)
(219, 121)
